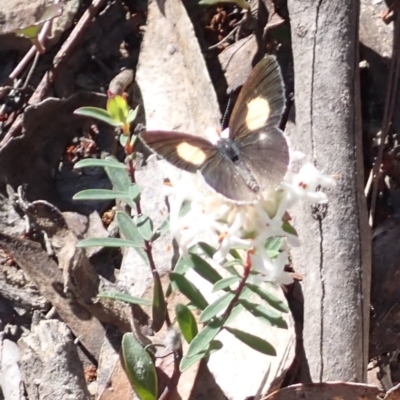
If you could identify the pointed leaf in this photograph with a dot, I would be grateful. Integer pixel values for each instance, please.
(127, 298)
(187, 322)
(204, 269)
(99, 114)
(225, 283)
(107, 242)
(201, 341)
(189, 290)
(118, 108)
(145, 226)
(252, 341)
(159, 305)
(240, 3)
(269, 315)
(233, 263)
(139, 368)
(272, 300)
(186, 362)
(134, 191)
(132, 115)
(215, 308)
(129, 231)
(161, 230)
(207, 249)
(289, 229)
(100, 194)
(98, 162)
(30, 32)
(120, 180)
(246, 293)
(274, 243)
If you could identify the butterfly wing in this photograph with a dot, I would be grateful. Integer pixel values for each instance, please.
(187, 152)
(261, 101)
(224, 178)
(266, 155)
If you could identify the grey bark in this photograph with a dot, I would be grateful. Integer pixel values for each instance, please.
(335, 253)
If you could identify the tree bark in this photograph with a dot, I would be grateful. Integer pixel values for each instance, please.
(335, 254)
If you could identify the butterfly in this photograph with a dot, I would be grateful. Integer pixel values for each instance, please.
(253, 157)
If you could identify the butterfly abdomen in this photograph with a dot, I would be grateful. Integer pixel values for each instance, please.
(245, 173)
(230, 151)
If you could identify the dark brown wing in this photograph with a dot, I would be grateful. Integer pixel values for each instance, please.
(261, 101)
(266, 155)
(224, 178)
(187, 152)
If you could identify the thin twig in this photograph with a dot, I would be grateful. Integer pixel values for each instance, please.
(231, 33)
(388, 113)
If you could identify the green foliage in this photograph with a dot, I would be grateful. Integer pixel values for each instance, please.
(225, 283)
(215, 308)
(127, 298)
(241, 3)
(202, 340)
(139, 368)
(189, 290)
(159, 304)
(212, 347)
(252, 341)
(186, 321)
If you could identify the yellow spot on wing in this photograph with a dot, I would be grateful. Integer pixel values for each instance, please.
(192, 154)
(257, 113)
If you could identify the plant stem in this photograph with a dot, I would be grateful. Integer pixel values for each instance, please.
(246, 273)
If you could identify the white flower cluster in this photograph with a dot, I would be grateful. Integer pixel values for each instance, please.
(225, 224)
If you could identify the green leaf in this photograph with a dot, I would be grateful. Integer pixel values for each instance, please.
(127, 298)
(187, 322)
(214, 308)
(132, 115)
(107, 242)
(98, 162)
(252, 341)
(233, 263)
(189, 290)
(206, 249)
(118, 108)
(100, 194)
(289, 229)
(120, 180)
(225, 283)
(235, 254)
(50, 12)
(246, 293)
(162, 230)
(272, 300)
(139, 368)
(274, 243)
(145, 226)
(99, 114)
(30, 32)
(134, 191)
(159, 305)
(130, 231)
(187, 362)
(201, 341)
(273, 246)
(240, 3)
(271, 316)
(203, 268)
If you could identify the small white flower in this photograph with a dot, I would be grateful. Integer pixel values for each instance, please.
(270, 270)
(225, 224)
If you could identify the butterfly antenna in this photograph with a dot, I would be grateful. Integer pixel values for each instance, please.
(227, 112)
